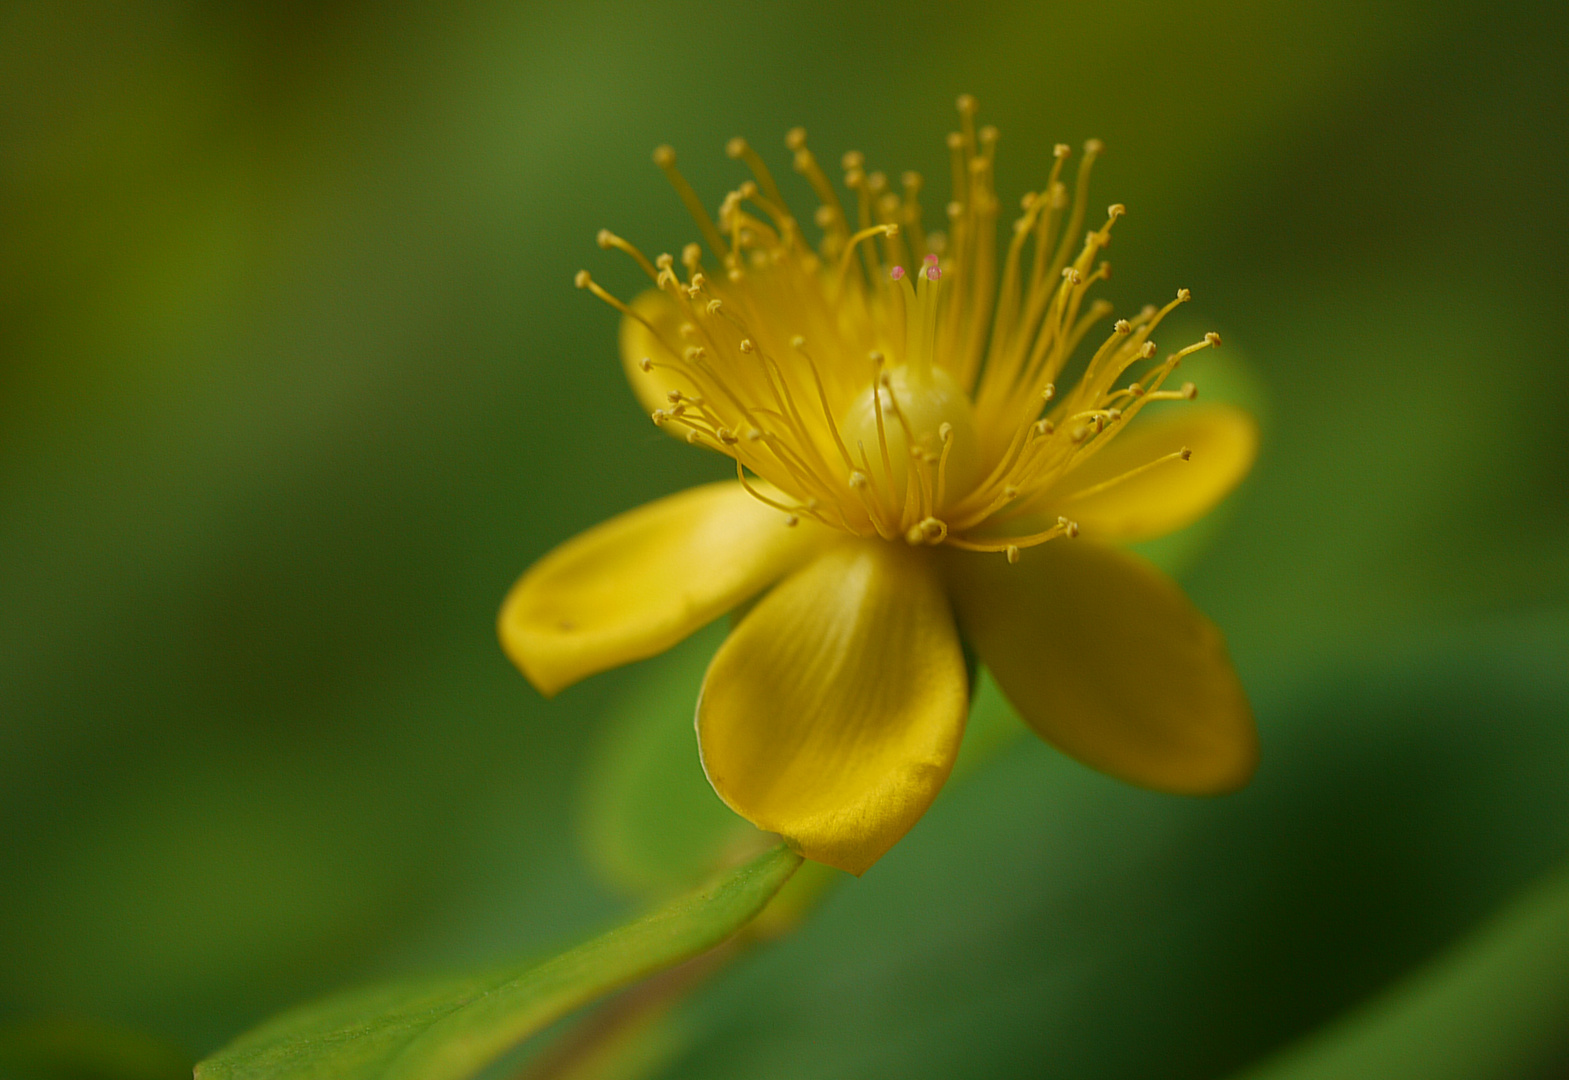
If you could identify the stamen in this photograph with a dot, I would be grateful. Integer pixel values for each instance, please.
(837, 224)
(739, 148)
(1184, 454)
(583, 281)
(945, 433)
(607, 239)
(665, 158)
(1064, 527)
(849, 250)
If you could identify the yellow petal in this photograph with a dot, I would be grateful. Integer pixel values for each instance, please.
(833, 713)
(638, 344)
(640, 582)
(1107, 660)
(1169, 496)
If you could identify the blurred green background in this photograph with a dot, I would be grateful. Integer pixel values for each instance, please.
(293, 383)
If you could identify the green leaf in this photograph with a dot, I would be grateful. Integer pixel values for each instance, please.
(447, 1029)
(1492, 1006)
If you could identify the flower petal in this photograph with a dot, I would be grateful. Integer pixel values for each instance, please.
(833, 713)
(1106, 659)
(640, 582)
(638, 343)
(1224, 441)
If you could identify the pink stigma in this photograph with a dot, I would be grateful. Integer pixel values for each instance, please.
(897, 273)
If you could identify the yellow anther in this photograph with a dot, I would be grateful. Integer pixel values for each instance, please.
(1115, 211)
(1189, 390)
(1213, 339)
(852, 160)
(748, 345)
(1061, 150)
(1044, 427)
(798, 342)
(1147, 350)
(582, 280)
(1184, 295)
(857, 479)
(1013, 554)
(795, 138)
(1186, 453)
(1049, 391)
(1093, 147)
(1122, 326)
(664, 155)
(646, 364)
(965, 103)
(791, 521)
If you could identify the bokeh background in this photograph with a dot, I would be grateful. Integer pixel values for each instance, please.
(293, 383)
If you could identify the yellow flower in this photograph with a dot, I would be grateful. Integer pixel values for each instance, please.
(903, 455)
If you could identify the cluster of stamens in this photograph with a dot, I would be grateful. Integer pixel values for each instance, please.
(924, 410)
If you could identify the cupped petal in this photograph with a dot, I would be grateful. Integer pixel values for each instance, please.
(1107, 660)
(1169, 496)
(833, 712)
(639, 343)
(640, 582)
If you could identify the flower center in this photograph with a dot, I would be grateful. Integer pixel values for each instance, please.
(923, 420)
(915, 422)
